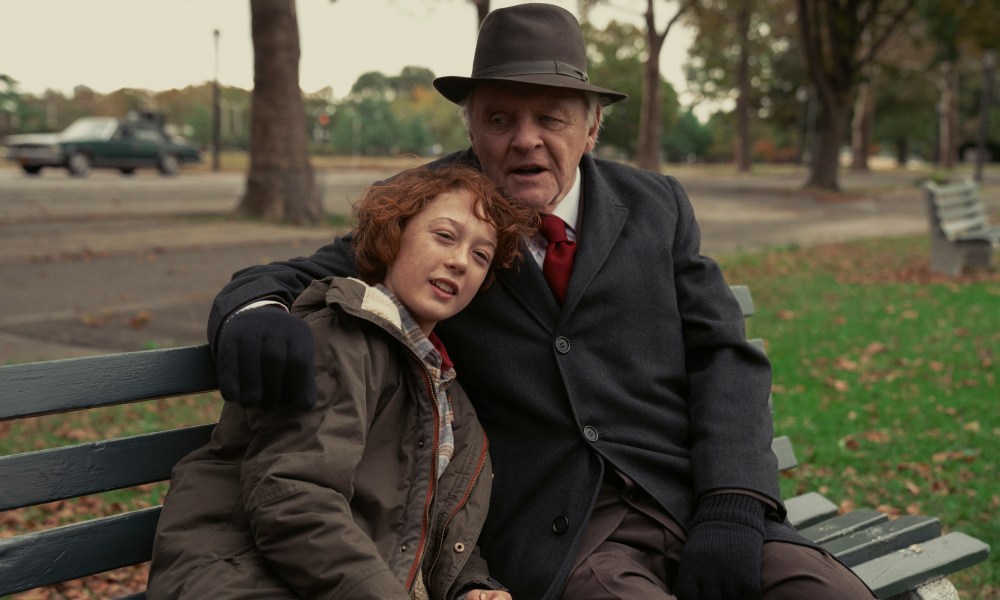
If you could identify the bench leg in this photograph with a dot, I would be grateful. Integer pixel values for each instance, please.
(939, 589)
(951, 258)
(946, 257)
(978, 255)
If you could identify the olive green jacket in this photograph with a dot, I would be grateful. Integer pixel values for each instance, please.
(341, 501)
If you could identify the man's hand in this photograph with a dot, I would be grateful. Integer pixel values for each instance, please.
(264, 360)
(721, 559)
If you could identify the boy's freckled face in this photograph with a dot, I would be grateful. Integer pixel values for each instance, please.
(445, 252)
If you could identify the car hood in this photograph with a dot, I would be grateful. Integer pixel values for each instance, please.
(32, 139)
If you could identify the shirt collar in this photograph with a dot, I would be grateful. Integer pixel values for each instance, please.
(569, 208)
(430, 351)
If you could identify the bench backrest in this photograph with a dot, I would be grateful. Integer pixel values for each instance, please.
(956, 208)
(32, 478)
(38, 477)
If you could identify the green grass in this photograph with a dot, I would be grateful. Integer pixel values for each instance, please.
(885, 379)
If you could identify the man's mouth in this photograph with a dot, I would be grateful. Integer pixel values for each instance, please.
(527, 171)
(445, 287)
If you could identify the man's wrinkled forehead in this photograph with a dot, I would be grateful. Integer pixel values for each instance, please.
(522, 95)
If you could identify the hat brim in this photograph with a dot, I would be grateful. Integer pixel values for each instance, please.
(456, 89)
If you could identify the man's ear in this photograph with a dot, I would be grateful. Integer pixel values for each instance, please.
(594, 129)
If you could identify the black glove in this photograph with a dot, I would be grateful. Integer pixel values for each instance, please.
(264, 359)
(721, 559)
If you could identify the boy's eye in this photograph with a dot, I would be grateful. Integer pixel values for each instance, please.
(484, 256)
(445, 235)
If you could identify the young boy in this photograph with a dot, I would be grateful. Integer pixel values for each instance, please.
(381, 490)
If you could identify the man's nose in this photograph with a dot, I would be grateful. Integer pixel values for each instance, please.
(526, 135)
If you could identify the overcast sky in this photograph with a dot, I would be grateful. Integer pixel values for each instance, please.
(164, 44)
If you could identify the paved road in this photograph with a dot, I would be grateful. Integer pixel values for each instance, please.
(112, 263)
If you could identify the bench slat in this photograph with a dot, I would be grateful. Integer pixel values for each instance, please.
(808, 509)
(907, 569)
(782, 448)
(989, 235)
(77, 550)
(879, 540)
(743, 296)
(58, 473)
(61, 385)
(842, 525)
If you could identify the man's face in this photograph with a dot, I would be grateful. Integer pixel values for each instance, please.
(530, 139)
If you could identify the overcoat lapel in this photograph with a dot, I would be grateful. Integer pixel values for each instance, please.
(528, 286)
(603, 219)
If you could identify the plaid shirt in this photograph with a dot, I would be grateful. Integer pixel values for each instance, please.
(439, 367)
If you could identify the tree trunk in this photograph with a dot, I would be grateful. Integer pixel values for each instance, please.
(902, 153)
(649, 116)
(948, 117)
(742, 149)
(826, 163)
(280, 181)
(861, 126)
(838, 43)
(482, 9)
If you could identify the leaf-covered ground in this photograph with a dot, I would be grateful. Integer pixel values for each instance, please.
(886, 379)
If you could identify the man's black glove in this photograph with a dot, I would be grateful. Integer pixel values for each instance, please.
(721, 559)
(265, 360)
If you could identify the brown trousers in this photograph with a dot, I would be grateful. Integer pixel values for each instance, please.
(631, 549)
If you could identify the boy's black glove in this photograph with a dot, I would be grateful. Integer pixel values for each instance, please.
(264, 359)
(721, 559)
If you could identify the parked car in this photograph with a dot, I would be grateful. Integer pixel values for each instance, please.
(140, 141)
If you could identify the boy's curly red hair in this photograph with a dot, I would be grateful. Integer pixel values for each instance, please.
(386, 207)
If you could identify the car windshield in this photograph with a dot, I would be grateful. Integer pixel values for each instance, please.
(90, 128)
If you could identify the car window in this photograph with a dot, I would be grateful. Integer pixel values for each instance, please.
(90, 128)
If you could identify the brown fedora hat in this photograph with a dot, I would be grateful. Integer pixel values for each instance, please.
(540, 44)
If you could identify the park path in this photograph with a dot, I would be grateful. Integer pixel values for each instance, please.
(114, 264)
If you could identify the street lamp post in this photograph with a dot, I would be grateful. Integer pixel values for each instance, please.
(216, 112)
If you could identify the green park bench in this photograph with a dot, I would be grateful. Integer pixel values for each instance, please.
(901, 558)
(961, 234)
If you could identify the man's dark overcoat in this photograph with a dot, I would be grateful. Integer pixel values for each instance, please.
(644, 368)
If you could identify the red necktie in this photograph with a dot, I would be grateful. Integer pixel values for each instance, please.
(558, 255)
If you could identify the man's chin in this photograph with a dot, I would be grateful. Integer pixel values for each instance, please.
(535, 197)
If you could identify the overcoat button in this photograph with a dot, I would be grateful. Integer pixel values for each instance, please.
(590, 433)
(459, 547)
(562, 345)
(560, 525)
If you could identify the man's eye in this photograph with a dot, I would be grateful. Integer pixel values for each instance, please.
(552, 122)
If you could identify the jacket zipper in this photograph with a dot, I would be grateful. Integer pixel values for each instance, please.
(461, 503)
(424, 525)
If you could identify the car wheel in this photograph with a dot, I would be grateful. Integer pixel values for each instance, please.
(127, 170)
(78, 164)
(169, 165)
(32, 169)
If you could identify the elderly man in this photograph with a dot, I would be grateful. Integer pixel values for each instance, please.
(627, 416)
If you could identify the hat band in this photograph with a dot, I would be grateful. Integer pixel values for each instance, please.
(531, 67)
